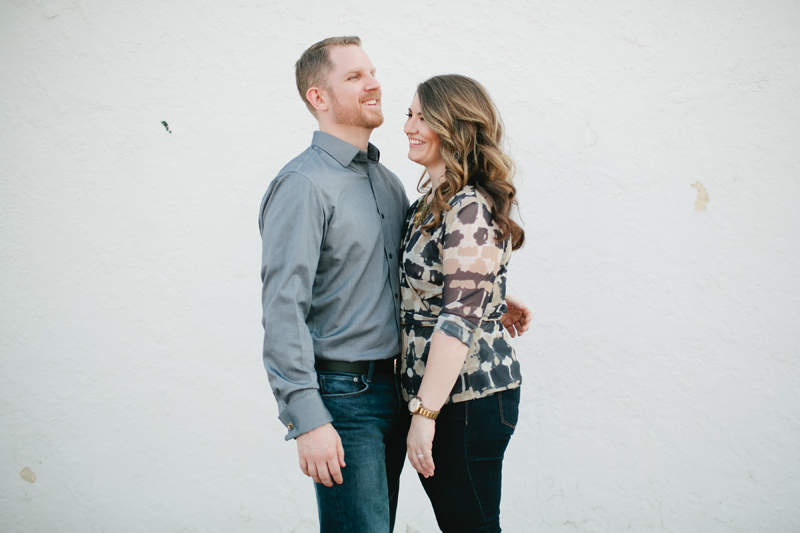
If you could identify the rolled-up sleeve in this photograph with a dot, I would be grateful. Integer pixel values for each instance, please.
(471, 257)
(292, 224)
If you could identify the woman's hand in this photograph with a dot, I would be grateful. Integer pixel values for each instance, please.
(420, 444)
(518, 318)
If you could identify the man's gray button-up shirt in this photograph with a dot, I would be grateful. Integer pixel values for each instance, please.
(330, 227)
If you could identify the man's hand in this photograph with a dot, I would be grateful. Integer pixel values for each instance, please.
(518, 318)
(321, 455)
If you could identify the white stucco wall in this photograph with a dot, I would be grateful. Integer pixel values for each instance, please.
(662, 372)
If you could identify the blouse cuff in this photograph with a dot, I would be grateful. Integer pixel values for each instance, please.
(456, 326)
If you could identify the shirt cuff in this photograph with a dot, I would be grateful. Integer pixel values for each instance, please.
(456, 326)
(304, 413)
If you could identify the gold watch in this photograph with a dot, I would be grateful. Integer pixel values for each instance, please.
(416, 408)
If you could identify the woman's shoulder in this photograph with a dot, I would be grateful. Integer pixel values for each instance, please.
(465, 196)
(468, 195)
(469, 200)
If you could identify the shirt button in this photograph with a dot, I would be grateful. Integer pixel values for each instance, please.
(382, 216)
(390, 256)
(395, 295)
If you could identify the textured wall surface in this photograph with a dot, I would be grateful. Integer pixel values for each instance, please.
(659, 153)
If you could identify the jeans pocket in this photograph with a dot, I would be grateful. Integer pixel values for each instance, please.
(340, 385)
(509, 407)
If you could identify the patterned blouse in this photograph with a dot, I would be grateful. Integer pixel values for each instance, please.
(454, 281)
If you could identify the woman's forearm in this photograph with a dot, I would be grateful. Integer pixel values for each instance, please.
(445, 359)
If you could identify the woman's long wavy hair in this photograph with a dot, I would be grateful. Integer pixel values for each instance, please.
(459, 110)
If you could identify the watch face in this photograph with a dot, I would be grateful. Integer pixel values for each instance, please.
(414, 403)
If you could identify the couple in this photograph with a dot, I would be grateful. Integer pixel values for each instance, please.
(383, 329)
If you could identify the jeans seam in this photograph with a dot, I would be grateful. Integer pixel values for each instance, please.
(469, 472)
(502, 417)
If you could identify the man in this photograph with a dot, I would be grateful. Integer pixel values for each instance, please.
(330, 225)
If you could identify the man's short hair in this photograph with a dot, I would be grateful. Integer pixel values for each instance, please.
(313, 67)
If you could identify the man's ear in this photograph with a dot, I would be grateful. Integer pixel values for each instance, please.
(318, 98)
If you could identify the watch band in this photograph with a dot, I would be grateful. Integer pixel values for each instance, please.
(420, 410)
(427, 413)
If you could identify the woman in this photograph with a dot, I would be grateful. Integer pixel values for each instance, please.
(459, 372)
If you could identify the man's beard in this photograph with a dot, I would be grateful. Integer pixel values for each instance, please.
(357, 116)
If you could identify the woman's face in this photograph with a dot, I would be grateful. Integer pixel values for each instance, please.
(423, 143)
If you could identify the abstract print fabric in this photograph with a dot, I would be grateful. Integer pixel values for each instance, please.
(453, 280)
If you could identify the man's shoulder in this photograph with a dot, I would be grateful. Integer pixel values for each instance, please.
(393, 182)
(293, 184)
(303, 164)
(309, 170)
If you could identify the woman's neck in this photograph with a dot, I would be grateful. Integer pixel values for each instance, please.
(437, 178)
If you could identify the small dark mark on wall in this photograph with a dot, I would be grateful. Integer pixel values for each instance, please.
(166, 126)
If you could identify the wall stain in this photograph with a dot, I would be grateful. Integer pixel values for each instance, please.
(166, 126)
(702, 197)
(28, 475)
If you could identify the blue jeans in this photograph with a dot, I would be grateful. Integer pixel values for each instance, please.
(372, 422)
(468, 447)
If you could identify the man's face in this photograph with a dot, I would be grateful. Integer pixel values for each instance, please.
(355, 94)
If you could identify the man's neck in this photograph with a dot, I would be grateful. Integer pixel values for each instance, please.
(355, 135)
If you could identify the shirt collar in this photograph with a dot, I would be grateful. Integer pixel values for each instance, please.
(342, 151)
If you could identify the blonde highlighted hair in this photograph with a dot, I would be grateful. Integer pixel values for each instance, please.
(459, 110)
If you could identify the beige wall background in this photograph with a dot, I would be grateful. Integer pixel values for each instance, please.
(658, 148)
